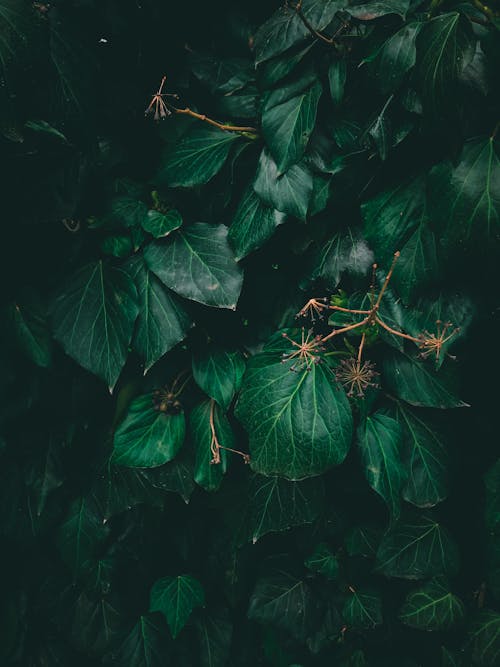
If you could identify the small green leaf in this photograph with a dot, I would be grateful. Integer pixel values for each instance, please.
(416, 549)
(396, 57)
(196, 158)
(128, 210)
(93, 318)
(323, 561)
(144, 646)
(253, 224)
(379, 440)
(290, 193)
(214, 633)
(380, 130)
(363, 541)
(417, 265)
(362, 610)
(432, 607)
(219, 373)
(117, 245)
(337, 74)
(484, 638)
(207, 421)
(147, 437)
(81, 533)
(492, 486)
(175, 598)
(198, 263)
(275, 504)
(29, 320)
(97, 623)
(161, 224)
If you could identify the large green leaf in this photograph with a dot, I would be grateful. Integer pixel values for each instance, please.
(425, 458)
(379, 440)
(144, 646)
(196, 158)
(485, 638)
(198, 263)
(397, 55)
(442, 50)
(160, 224)
(432, 607)
(337, 74)
(299, 423)
(418, 383)
(97, 623)
(378, 8)
(323, 561)
(219, 373)
(416, 549)
(93, 317)
(362, 609)
(290, 193)
(81, 533)
(287, 124)
(214, 631)
(206, 422)
(283, 601)
(275, 504)
(342, 253)
(162, 321)
(464, 199)
(175, 598)
(148, 437)
(29, 321)
(417, 265)
(253, 224)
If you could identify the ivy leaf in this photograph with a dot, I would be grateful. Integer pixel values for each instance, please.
(342, 253)
(416, 549)
(275, 504)
(129, 210)
(363, 541)
(465, 199)
(417, 383)
(219, 373)
(432, 607)
(93, 318)
(147, 437)
(161, 224)
(323, 561)
(206, 421)
(214, 634)
(29, 320)
(442, 46)
(144, 646)
(196, 158)
(253, 224)
(417, 265)
(162, 321)
(380, 130)
(425, 458)
(449, 659)
(289, 193)
(285, 602)
(374, 10)
(175, 477)
(299, 423)
(484, 637)
(337, 74)
(362, 610)
(175, 598)
(97, 623)
(287, 124)
(198, 264)
(379, 440)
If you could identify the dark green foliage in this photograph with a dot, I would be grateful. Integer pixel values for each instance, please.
(227, 438)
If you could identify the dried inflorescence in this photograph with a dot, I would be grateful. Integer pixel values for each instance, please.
(356, 376)
(306, 353)
(166, 401)
(432, 343)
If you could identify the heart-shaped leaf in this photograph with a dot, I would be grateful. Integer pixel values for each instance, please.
(432, 607)
(175, 598)
(219, 372)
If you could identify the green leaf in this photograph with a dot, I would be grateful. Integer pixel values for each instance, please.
(379, 440)
(442, 50)
(219, 373)
(391, 217)
(130, 211)
(285, 28)
(449, 659)
(161, 224)
(29, 320)
(118, 489)
(395, 58)
(96, 625)
(207, 421)
(464, 200)
(93, 318)
(214, 632)
(144, 646)
(80, 534)
(290, 193)
(196, 158)
(432, 607)
(374, 10)
(337, 74)
(380, 131)
(416, 549)
(362, 610)
(363, 541)
(198, 263)
(287, 124)
(275, 69)
(417, 265)
(323, 561)
(253, 224)
(283, 601)
(162, 321)
(175, 477)
(147, 437)
(275, 504)
(299, 423)
(342, 253)
(484, 637)
(417, 383)
(117, 245)
(175, 598)
(425, 458)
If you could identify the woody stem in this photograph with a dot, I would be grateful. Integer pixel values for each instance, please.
(222, 126)
(360, 350)
(387, 279)
(336, 332)
(397, 333)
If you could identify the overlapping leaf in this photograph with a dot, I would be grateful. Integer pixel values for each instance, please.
(175, 598)
(432, 607)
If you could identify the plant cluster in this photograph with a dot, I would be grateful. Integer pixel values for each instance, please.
(249, 333)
